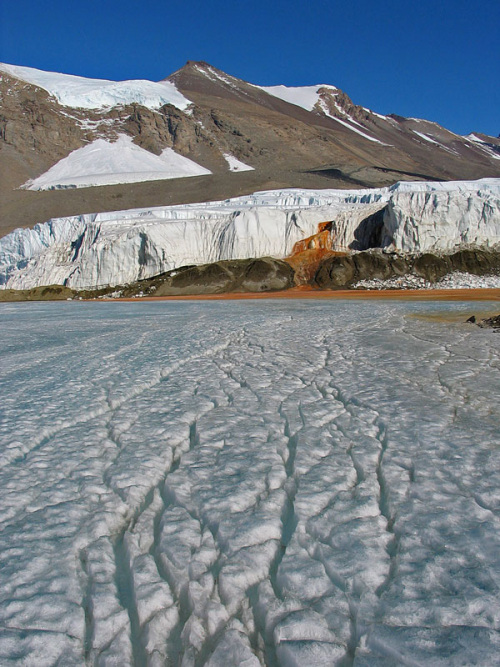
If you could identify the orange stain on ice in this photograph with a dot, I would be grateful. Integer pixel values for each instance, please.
(307, 254)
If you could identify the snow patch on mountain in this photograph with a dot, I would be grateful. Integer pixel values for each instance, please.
(235, 164)
(125, 246)
(80, 92)
(484, 146)
(473, 137)
(310, 98)
(104, 163)
(212, 74)
(426, 138)
(306, 97)
(354, 129)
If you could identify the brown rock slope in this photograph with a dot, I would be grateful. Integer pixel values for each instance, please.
(287, 145)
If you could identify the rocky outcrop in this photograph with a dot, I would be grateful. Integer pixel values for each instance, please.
(48, 293)
(264, 274)
(344, 271)
(486, 323)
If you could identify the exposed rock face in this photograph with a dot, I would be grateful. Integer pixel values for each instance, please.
(431, 267)
(48, 293)
(335, 143)
(344, 271)
(248, 275)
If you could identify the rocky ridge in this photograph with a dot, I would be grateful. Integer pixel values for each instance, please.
(335, 143)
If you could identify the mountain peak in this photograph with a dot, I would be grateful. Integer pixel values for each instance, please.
(199, 63)
(277, 136)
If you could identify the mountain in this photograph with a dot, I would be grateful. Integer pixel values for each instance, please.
(76, 145)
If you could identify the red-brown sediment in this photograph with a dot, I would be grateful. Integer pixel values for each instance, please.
(308, 292)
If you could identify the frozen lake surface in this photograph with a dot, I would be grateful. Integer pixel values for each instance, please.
(248, 483)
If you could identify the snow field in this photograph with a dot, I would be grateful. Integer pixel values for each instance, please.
(236, 165)
(83, 93)
(196, 484)
(306, 97)
(108, 163)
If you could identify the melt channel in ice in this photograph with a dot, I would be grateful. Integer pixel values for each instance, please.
(197, 484)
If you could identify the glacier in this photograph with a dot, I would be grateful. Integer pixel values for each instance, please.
(96, 250)
(84, 93)
(200, 484)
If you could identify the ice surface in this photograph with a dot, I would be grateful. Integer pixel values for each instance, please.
(107, 163)
(124, 246)
(248, 483)
(80, 92)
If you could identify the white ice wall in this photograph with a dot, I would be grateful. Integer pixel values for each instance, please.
(442, 220)
(124, 246)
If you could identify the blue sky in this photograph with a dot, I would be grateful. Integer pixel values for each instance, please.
(438, 60)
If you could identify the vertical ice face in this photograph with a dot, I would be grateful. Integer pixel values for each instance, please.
(125, 246)
(442, 219)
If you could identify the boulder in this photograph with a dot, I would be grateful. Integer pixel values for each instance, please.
(476, 261)
(431, 267)
(245, 275)
(487, 323)
(336, 271)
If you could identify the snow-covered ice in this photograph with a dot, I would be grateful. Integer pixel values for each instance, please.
(108, 163)
(249, 483)
(83, 93)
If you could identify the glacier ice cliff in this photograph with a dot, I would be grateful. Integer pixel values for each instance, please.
(96, 250)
